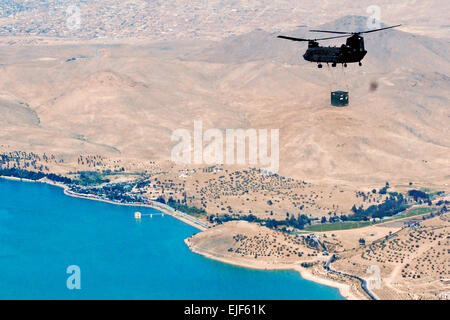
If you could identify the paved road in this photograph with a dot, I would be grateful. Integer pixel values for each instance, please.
(363, 282)
(176, 213)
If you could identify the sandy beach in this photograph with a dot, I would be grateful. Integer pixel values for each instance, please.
(18, 179)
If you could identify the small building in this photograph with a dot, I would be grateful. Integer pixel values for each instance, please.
(339, 98)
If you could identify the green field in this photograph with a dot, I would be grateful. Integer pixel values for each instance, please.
(413, 212)
(354, 224)
(91, 178)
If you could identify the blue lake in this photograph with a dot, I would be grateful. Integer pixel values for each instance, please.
(43, 231)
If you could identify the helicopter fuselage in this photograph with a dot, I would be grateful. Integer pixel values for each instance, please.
(351, 52)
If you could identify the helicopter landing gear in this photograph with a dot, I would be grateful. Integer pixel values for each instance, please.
(360, 64)
(333, 65)
(319, 66)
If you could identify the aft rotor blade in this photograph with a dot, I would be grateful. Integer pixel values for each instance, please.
(326, 31)
(344, 32)
(300, 39)
(331, 38)
(369, 31)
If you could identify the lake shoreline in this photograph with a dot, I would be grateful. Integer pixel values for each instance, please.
(177, 215)
(344, 289)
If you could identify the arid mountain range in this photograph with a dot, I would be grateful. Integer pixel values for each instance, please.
(125, 98)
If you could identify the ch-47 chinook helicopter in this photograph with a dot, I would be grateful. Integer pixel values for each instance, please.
(351, 52)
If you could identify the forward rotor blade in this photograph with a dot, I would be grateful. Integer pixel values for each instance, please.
(293, 39)
(369, 31)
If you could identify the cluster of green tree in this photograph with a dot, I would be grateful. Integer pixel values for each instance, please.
(307, 264)
(119, 192)
(112, 172)
(226, 217)
(142, 183)
(384, 189)
(294, 222)
(32, 175)
(333, 219)
(58, 178)
(91, 178)
(419, 195)
(161, 199)
(183, 207)
(298, 222)
(394, 204)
